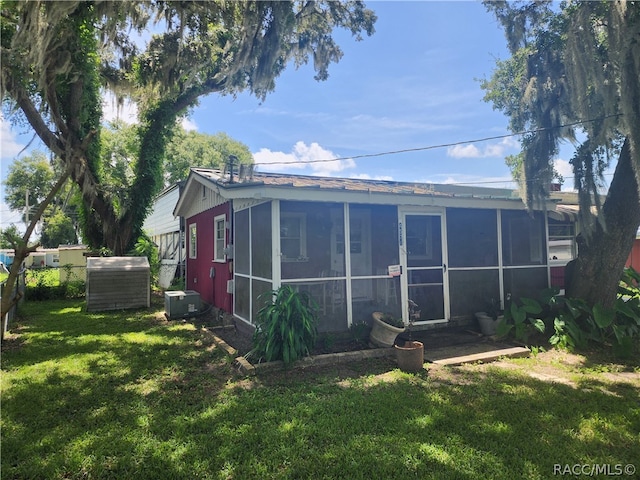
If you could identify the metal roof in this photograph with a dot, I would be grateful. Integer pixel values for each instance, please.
(355, 185)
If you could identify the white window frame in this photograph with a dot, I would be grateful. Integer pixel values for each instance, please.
(193, 240)
(218, 249)
(301, 237)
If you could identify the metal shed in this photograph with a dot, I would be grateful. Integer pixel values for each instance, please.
(115, 283)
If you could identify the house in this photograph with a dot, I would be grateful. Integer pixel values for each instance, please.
(359, 246)
(167, 232)
(73, 262)
(43, 257)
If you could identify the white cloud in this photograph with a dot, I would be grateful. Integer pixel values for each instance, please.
(313, 159)
(127, 111)
(563, 167)
(366, 176)
(469, 150)
(473, 180)
(188, 124)
(464, 151)
(9, 147)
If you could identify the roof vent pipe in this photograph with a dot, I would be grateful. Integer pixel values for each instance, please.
(232, 160)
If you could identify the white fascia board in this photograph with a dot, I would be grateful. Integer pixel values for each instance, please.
(266, 192)
(190, 193)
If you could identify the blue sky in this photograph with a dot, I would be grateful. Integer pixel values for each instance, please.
(413, 84)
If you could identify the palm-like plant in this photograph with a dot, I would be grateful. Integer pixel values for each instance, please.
(286, 327)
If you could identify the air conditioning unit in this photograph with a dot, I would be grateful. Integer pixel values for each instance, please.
(179, 304)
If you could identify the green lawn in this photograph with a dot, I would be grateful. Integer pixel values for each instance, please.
(128, 395)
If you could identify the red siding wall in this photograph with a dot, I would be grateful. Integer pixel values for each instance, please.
(211, 290)
(634, 256)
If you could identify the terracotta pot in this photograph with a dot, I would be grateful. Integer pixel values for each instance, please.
(382, 334)
(410, 356)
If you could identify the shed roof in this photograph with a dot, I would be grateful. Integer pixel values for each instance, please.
(117, 263)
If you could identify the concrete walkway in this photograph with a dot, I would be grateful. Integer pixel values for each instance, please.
(459, 346)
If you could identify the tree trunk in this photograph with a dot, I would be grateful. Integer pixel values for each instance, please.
(22, 251)
(595, 274)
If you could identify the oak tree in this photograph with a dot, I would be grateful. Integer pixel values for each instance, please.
(57, 58)
(574, 75)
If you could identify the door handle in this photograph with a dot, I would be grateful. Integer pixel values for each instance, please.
(444, 265)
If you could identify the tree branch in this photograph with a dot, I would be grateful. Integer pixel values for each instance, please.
(50, 139)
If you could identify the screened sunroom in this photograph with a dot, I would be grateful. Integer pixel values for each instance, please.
(358, 258)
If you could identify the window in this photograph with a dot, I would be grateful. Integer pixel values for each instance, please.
(561, 242)
(293, 233)
(472, 236)
(419, 237)
(219, 238)
(193, 241)
(523, 238)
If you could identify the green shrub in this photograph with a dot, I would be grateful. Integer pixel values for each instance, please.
(577, 324)
(44, 284)
(523, 317)
(360, 332)
(286, 327)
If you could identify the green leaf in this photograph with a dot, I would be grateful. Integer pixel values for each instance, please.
(603, 316)
(531, 306)
(518, 314)
(538, 325)
(503, 328)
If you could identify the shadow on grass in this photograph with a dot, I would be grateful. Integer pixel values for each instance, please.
(149, 400)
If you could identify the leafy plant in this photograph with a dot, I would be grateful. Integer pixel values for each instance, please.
(360, 332)
(45, 284)
(286, 327)
(523, 319)
(493, 308)
(389, 319)
(576, 323)
(145, 247)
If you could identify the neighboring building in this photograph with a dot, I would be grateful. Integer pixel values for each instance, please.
(43, 257)
(634, 257)
(167, 232)
(359, 246)
(163, 227)
(6, 256)
(73, 262)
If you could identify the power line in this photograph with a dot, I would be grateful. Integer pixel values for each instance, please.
(442, 145)
(485, 182)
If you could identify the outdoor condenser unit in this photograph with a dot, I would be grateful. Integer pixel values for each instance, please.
(179, 304)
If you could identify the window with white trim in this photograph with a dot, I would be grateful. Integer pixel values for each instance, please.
(219, 237)
(193, 241)
(293, 236)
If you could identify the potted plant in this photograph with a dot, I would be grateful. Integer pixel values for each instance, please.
(410, 355)
(490, 318)
(385, 329)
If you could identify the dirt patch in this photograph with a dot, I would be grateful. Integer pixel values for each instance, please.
(223, 326)
(326, 343)
(552, 366)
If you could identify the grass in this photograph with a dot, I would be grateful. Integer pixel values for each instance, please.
(130, 395)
